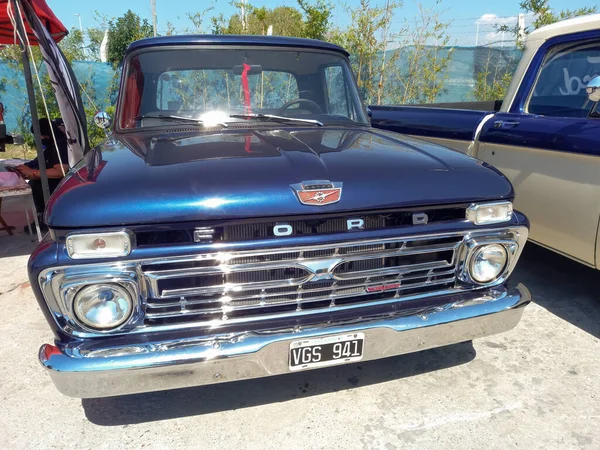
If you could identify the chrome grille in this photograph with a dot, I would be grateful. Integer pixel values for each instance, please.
(255, 285)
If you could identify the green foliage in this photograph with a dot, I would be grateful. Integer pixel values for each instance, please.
(286, 21)
(413, 72)
(317, 15)
(73, 46)
(368, 51)
(491, 86)
(94, 37)
(427, 54)
(122, 32)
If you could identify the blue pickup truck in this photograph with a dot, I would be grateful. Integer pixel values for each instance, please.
(244, 219)
(545, 137)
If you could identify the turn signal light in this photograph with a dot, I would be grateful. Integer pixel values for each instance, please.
(99, 245)
(489, 213)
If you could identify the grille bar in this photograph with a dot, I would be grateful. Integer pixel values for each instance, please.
(254, 285)
(242, 296)
(263, 298)
(227, 308)
(225, 267)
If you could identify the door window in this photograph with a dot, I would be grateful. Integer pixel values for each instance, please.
(559, 90)
(337, 93)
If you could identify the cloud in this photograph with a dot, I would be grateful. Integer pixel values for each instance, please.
(489, 23)
(487, 18)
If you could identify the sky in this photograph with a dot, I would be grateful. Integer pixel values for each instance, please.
(463, 14)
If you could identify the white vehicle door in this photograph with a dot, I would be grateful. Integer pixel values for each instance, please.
(548, 145)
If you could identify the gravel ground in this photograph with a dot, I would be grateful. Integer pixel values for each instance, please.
(534, 387)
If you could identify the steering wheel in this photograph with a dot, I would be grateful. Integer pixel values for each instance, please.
(312, 106)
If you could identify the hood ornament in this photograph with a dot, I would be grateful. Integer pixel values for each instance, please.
(318, 192)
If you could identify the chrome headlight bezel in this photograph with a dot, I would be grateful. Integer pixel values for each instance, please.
(513, 242)
(60, 288)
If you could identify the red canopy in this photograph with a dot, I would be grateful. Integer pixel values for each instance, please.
(53, 25)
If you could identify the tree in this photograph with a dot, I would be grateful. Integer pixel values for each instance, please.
(411, 72)
(122, 32)
(73, 46)
(367, 50)
(95, 37)
(424, 58)
(317, 15)
(286, 21)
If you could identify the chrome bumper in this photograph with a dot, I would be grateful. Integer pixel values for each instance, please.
(82, 371)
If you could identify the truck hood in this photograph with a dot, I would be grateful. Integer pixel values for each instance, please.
(142, 178)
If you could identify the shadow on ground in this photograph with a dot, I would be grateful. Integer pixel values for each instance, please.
(17, 245)
(201, 400)
(564, 287)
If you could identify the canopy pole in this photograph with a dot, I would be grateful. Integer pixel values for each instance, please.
(32, 105)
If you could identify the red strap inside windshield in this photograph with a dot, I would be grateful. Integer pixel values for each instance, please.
(246, 89)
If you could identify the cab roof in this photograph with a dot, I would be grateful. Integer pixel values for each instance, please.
(236, 41)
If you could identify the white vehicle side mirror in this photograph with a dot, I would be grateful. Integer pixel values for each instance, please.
(593, 89)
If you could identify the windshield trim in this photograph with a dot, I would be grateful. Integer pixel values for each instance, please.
(361, 111)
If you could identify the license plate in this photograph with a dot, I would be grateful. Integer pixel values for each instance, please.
(326, 351)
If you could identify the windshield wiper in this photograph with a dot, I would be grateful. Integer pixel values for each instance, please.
(177, 119)
(274, 118)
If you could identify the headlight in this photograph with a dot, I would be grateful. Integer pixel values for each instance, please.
(488, 262)
(98, 245)
(103, 306)
(489, 213)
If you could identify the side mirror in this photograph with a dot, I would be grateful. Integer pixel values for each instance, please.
(593, 89)
(102, 120)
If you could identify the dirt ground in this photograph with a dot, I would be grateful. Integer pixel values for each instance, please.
(534, 387)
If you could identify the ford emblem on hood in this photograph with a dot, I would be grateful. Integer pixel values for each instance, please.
(318, 192)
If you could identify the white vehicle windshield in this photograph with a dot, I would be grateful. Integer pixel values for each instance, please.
(217, 86)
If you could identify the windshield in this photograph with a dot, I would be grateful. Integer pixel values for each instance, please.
(211, 85)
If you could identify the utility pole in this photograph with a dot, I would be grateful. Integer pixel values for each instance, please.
(79, 17)
(154, 22)
(477, 34)
(521, 23)
(82, 36)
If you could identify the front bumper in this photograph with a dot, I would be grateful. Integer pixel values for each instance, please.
(80, 370)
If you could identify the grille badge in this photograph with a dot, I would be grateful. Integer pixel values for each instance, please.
(318, 192)
(384, 287)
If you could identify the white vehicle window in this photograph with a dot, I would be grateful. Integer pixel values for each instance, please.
(559, 90)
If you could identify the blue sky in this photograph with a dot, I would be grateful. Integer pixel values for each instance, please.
(462, 13)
